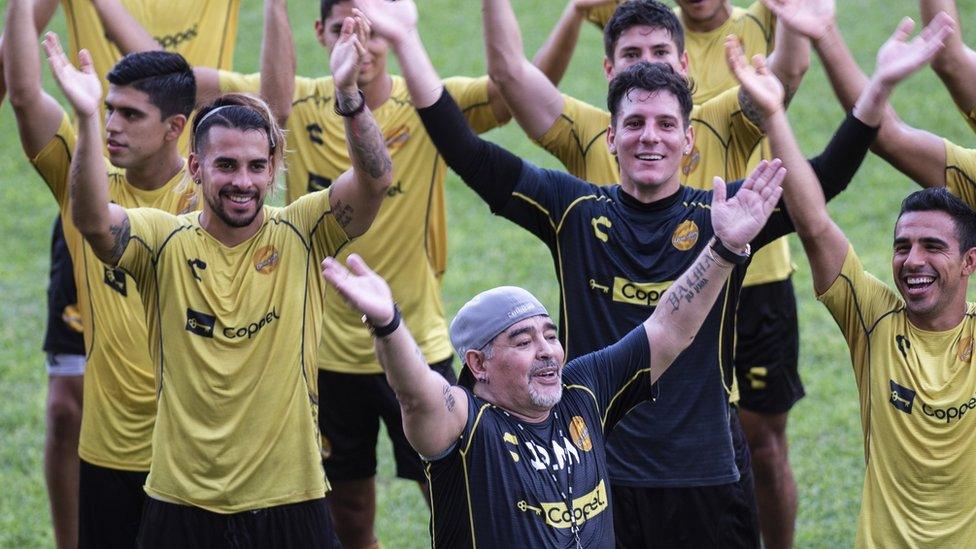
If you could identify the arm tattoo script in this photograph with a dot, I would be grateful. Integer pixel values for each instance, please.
(449, 401)
(369, 152)
(120, 238)
(343, 213)
(690, 285)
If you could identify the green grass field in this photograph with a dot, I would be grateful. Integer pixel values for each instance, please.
(826, 448)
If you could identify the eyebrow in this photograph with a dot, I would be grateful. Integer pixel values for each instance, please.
(924, 240)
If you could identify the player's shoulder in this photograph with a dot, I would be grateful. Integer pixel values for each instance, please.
(309, 89)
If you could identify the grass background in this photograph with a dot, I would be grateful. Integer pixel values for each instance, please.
(826, 448)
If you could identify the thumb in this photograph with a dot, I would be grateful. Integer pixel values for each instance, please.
(904, 29)
(348, 27)
(357, 266)
(85, 62)
(759, 62)
(718, 191)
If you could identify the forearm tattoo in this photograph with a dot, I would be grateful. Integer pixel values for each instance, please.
(691, 283)
(369, 152)
(343, 213)
(449, 401)
(120, 238)
(749, 109)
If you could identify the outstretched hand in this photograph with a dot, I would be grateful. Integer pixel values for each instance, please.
(762, 86)
(811, 18)
(361, 288)
(81, 85)
(899, 57)
(737, 220)
(391, 19)
(349, 51)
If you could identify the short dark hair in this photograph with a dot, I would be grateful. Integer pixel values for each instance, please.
(164, 76)
(651, 77)
(939, 199)
(652, 13)
(241, 112)
(325, 8)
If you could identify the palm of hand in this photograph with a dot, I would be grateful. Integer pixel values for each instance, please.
(739, 219)
(344, 62)
(389, 18)
(83, 90)
(808, 17)
(764, 89)
(897, 59)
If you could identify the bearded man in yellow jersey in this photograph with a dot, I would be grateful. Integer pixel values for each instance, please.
(407, 247)
(97, 26)
(233, 305)
(911, 347)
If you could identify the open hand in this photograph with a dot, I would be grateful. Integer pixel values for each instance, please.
(349, 51)
(899, 57)
(811, 18)
(81, 85)
(361, 288)
(391, 19)
(762, 86)
(737, 220)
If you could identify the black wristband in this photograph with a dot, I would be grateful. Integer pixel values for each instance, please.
(354, 112)
(389, 328)
(725, 253)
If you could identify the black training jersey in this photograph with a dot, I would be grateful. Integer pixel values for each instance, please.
(507, 483)
(614, 258)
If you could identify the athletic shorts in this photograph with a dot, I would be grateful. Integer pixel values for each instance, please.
(64, 365)
(350, 409)
(290, 526)
(723, 516)
(110, 503)
(767, 348)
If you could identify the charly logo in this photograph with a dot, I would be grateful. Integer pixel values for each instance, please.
(266, 259)
(902, 398)
(638, 293)
(557, 515)
(253, 328)
(757, 377)
(71, 316)
(115, 279)
(199, 323)
(580, 434)
(685, 236)
(964, 349)
(194, 264)
(317, 182)
(600, 224)
(397, 138)
(513, 440)
(689, 162)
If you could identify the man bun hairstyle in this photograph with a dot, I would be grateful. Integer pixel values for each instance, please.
(939, 199)
(164, 76)
(649, 77)
(632, 13)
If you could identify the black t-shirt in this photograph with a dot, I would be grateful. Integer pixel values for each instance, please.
(61, 337)
(507, 483)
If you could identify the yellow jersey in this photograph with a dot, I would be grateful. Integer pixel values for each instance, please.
(233, 333)
(917, 392)
(120, 403)
(407, 243)
(960, 172)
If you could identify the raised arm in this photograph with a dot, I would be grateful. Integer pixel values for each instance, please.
(918, 154)
(434, 412)
(123, 29)
(104, 225)
(535, 101)
(38, 114)
(956, 64)
(556, 52)
(357, 193)
(685, 305)
(277, 60)
(790, 59)
(43, 11)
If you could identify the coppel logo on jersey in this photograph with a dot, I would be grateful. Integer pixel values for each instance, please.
(199, 323)
(902, 398)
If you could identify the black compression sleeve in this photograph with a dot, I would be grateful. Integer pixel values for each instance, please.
(488, 169)
(836, 165)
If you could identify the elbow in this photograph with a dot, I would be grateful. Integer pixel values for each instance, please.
(503, 69)
(22, 95)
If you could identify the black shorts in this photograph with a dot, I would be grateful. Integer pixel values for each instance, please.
(350, 409)
(110, 503)
(767, 348)
(699, 516)
(294, 525)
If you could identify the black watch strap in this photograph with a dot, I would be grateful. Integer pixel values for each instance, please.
(354, 112)
(389, 328)
(725, 253)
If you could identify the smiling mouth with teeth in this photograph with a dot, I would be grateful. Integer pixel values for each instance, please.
(918, 282)
(650, 156)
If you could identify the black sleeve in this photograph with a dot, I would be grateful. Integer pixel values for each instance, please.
(835, 168)
(488, 169)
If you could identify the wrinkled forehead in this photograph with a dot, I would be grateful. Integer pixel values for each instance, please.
(926, 225)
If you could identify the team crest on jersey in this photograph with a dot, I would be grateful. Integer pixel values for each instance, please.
(397, 138)
(580, 434)
(266, 259)
(685, 236)
(902, 398)
(964, 349)
(600, 226)
(199, 323)
(71, 316)
(690, 161)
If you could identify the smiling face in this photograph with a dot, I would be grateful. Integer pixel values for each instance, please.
(524, 372)
(374, 63)
(236, 171)
(644, 43)
(704, 15)
(930, 271)
(135, 131)
(649, 138)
